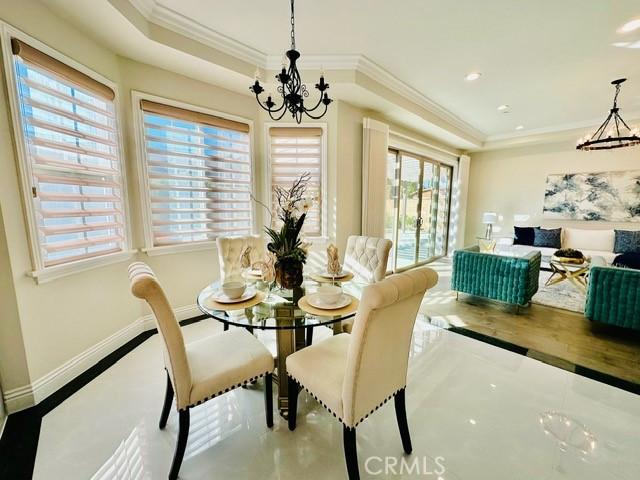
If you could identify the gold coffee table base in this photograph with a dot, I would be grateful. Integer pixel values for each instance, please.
(576, 274)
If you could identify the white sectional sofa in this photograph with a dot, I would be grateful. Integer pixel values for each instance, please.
(593, 243)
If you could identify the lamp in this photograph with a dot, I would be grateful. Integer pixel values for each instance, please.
(489, 218)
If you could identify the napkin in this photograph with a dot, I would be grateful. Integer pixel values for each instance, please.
(267, 267)
(333, 263)
(245, 257)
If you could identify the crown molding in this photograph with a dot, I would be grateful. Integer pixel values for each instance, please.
(547, 134)
(145, 7)
(165, 17)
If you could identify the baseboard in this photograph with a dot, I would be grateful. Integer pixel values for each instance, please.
(28, 395)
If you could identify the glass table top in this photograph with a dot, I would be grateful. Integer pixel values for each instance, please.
(279, 309)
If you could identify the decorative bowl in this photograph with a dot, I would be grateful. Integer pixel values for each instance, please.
(233, 289)
(329, 294)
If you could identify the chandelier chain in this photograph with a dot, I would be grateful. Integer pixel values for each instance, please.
(293, 28)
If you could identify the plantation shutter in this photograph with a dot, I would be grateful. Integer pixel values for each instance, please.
(293, 152)
(199, 175)
(69, 125)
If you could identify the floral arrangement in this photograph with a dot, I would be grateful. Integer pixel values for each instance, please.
(292, 208)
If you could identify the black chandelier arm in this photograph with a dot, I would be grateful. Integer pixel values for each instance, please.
(277, 117)
(267, 109)
(326, 106)
(598, 133)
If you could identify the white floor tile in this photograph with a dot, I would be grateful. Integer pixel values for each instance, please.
(472, 407)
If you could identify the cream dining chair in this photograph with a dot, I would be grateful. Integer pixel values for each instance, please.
(352, 375)
(366, 258)
(229, 251)
(203, 369)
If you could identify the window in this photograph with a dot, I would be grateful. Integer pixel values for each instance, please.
(74, 169)
(198, 174)
(294, 151)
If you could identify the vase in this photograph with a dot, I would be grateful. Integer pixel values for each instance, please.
(288, 273)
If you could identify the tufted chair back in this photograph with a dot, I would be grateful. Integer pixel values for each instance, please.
(378, 352)
(367, 257)
(229, 251)
(145, 285)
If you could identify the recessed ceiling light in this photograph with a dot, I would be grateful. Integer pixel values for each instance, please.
(472, 76)
(520, 127)
(503, 108)
(630, 26)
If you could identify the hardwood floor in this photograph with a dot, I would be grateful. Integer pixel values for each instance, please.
(555, 336)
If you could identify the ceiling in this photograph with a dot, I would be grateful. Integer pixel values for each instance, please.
(550, 61)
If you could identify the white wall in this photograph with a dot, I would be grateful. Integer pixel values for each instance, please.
(512, 182)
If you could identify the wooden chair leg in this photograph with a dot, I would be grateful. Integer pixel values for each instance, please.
(350, 452)
(268, 399)
(401, 417)
(181, 444)
(168, 398)
(293, 403)
(309, 336)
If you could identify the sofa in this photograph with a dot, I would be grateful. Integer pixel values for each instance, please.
(591, 242)
(505, 278)
(613, 296)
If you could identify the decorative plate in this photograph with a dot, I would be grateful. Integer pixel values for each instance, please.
(315, 301)
(220, 297)
(326, 274)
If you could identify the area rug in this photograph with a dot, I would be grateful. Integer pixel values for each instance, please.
(561, 295)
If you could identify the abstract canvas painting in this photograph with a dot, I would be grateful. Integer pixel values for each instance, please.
(607, 196)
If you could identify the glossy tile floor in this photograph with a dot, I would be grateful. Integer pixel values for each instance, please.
(475, 411)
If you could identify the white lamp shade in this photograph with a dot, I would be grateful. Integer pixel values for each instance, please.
(489, 217)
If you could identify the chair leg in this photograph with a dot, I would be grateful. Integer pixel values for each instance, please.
(350, 452)
(401, 417)
(309, 339)
(168, 398)
(226, 327)
(293, 404)
(268, 399)
(181, 444)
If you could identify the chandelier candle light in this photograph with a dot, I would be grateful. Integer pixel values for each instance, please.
(291, 88)
(614, 132)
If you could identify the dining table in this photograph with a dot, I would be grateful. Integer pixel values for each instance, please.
(287, 313)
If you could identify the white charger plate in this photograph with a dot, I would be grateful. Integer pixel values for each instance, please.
(315, 301)
(220, 297)
(326, 274)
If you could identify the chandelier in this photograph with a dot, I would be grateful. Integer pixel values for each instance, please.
(614, 132)
(291, 88)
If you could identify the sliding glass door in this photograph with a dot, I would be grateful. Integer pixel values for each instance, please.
(418, 197)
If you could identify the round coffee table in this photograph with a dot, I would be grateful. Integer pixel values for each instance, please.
(576, 273)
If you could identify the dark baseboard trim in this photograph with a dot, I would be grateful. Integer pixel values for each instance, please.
(601, 377)
(19, 441)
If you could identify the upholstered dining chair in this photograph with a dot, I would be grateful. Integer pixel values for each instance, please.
(229, 251)
(352, 375)
(203, 369)
(366, 258)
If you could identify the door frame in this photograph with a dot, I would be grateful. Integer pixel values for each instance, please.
(398, 152)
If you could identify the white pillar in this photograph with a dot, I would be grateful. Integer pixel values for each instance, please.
(375, 146)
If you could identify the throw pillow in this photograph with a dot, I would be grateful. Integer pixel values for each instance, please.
(628, 260)
(523, 235)
(546, 238)
(627, 241)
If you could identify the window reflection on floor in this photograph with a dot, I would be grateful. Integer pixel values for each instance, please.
(212, 422)
(128, 461)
